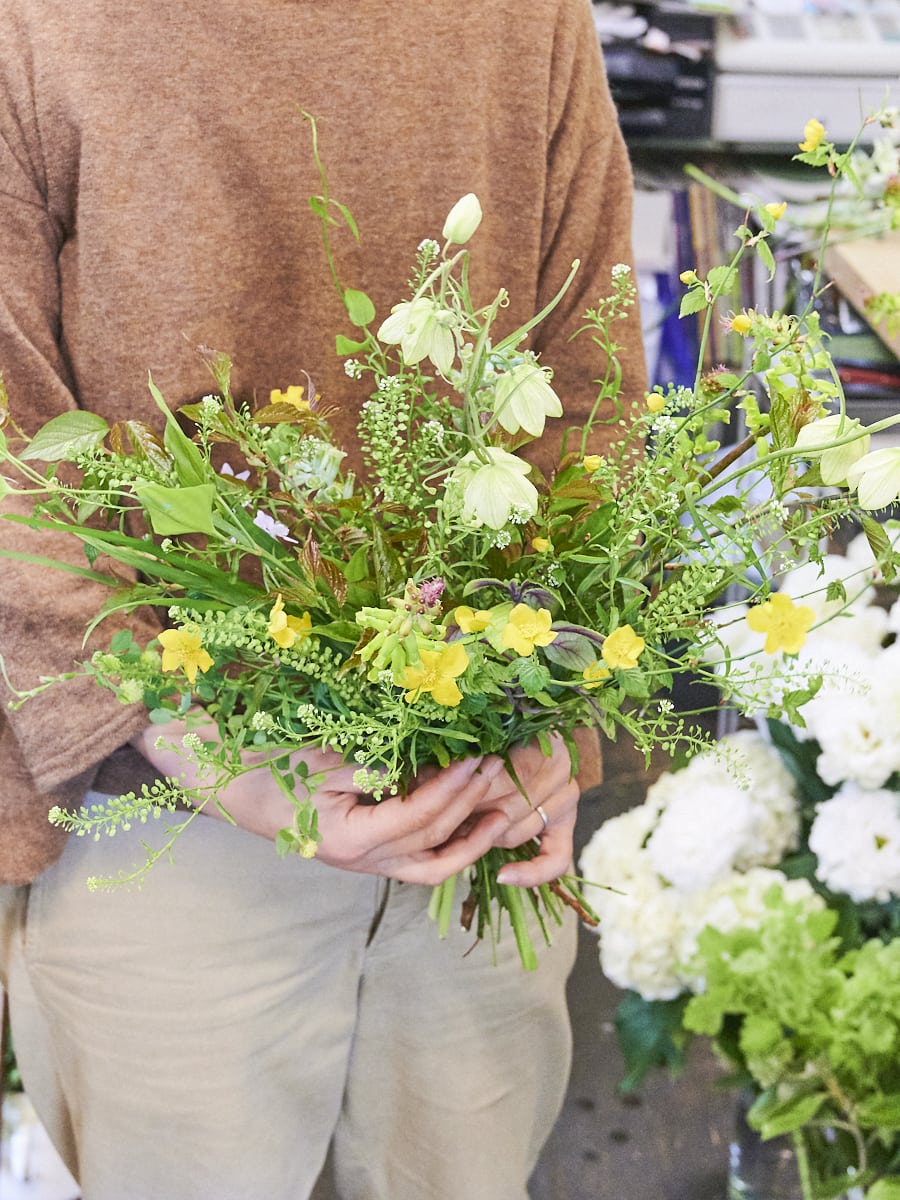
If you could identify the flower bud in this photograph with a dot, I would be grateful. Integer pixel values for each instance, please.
(776, 211)
(463, 219)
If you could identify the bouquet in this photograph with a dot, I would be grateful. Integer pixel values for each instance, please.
(756, 902)
(454, 600)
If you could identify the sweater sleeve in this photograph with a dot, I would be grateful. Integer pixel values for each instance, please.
(587, 216)
(63, 734)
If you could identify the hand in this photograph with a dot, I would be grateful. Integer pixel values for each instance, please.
(423, 838)
(547, 781)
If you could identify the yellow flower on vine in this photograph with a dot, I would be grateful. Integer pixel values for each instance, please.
(742, 323)
(437, 674)
(526, 628)
(595, 674)
(472, 620)
(592, 462)
(656, 402)
(285, 630)
(541, 545)
(776, 211)
(622, 648)
(294, 395)
(184, 648)
(784, 623)
(813, 132)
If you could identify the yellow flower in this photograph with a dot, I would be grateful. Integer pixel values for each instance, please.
(784, 623)
(622, 649)
(688, 277)
(287, 630)
(813, 132)
(742, 323)
(526, 628)
(655, 402)
(776, 211)
(183, 648)
(592, 462)
(595, 674)
(471, 620)
(437, 674)
(295, 396)
(540, 544)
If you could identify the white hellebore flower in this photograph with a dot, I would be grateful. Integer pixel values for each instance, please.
(422, 329)
(462, 219)
(876, 477)
(837, 460)
(523, 399)
(496, 492)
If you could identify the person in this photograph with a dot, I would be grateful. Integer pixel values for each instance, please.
(214, 1033)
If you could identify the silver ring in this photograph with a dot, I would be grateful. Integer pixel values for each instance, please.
(539, 809)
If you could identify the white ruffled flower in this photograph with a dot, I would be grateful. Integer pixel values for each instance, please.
(858, 730)
(856, 838)
(523, 399)
(834, 463)
(495, 492)
(422, 329)
(717, 818)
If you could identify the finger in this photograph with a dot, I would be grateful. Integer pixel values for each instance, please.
(552, 860)
(398, 828)
(432, 867)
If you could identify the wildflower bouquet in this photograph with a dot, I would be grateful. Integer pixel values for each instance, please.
(454, 600)
(756, 902)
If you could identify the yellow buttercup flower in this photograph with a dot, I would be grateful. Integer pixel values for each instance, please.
(784, 623)
(688, 276)
(622, 649)
(595, 674)
(776, 211)
(592, 462)
(472, 620)
(813, 132)
(526, 628)
(285, 630)
(183, 648)
(742, 323)
(541, 545)
(437, 674)
(295, 396)
(655, 402)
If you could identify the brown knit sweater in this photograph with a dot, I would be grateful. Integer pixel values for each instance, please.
(154, 175)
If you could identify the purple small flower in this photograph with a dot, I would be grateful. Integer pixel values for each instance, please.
(430, 592)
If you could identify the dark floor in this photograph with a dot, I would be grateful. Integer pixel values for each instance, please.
(670, 1141)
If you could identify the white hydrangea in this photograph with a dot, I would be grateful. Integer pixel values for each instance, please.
(734, 807)
(859, 731)
(736, 902)
(856, 839)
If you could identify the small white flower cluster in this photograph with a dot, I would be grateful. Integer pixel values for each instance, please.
(699, 851)
(856, 839)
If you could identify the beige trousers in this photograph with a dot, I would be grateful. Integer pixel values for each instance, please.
(207, 1036)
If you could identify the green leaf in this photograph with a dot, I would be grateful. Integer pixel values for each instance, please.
(775, 1117)
(882, 1112)
(344, 346)
(177, 510)
(885, 1189)
(764, 250)
(650, 1035)
(359, 307)
(692, 302)
(571, 650)
(722, 279)
(188, 460)
(65, 437)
